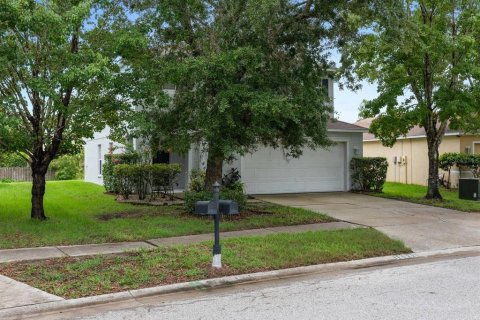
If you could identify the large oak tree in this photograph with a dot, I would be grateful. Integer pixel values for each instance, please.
(56, 86)
(424, 56)
(247, 73)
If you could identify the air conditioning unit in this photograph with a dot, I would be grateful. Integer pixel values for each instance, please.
(469, 189)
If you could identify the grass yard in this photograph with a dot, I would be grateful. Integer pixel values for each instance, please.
(79, 277)
(80, 213)
(416, 193)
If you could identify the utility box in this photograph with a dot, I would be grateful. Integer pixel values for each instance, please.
(469, 189)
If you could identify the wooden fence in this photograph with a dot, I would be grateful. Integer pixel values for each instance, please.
(22, 174)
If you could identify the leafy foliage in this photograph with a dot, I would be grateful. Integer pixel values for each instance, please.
(241, 80)
(469, 161)
(143, 179)
(11, 159)
(449, 159)
(424, 57)
(446, 161)
(231, 180)
(197, 180)
(68, 167)
(369, 174)
(57, 86)
(111, 160)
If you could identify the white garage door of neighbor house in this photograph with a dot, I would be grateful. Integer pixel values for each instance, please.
(267, 171)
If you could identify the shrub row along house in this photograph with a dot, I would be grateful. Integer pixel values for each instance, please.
(264, 171)
(408, 158)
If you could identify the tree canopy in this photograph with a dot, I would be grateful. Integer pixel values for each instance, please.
(424, 56)
(246, 73)
(57, 86)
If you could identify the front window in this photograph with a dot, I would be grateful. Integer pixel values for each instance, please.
(100, 159)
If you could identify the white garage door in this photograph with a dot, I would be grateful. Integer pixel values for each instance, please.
(267, 171)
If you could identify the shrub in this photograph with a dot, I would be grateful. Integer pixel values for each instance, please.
(472, 162)
(461, 160)
(369, 174)
(231, 181)
(7, 180)
(197, 180)
(163, 177)
(140, 179)
(231, 178)
(446, 161)
(68, 167)
(192, 197)
(124, 179)
(11, 160)
(145, 179)
(111, 160)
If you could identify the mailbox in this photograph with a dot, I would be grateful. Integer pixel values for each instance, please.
(224, 207)
(227, 207)
(201, 207)
(216, 208)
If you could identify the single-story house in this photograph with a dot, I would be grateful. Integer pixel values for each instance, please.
(408, 158)
(264, 171)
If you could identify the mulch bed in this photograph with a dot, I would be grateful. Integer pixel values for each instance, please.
(156, 201)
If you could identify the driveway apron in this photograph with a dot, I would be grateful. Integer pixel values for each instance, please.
(420, 227)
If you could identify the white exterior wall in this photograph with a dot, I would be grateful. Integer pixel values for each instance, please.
(350, 144)
(95, 150)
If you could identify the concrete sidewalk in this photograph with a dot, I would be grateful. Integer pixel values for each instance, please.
(14, 294)
(215, 287)
(25, 254)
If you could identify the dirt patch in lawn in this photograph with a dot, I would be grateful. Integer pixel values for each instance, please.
(133, 214)
(255, 209)
(156, 201)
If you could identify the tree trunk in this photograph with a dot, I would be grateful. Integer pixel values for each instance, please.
(38, 192)
(433, 191)
(214, 170)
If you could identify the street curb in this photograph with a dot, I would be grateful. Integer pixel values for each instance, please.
(18, 312)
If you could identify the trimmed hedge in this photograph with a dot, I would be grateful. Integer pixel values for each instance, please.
(237, 195)
(145, 179)
(369, 174)
(470, 161)
(112, 160)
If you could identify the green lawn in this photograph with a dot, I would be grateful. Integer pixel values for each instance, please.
(81, 213)
(416, 193)
(79, 277)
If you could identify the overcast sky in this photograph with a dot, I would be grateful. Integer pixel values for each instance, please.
(347, 102)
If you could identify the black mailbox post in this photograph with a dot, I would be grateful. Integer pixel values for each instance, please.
(216, 208)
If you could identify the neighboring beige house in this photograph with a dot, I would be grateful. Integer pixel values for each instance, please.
(408, 159)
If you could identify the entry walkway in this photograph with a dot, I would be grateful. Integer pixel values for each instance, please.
(25, 254)
(420, 227)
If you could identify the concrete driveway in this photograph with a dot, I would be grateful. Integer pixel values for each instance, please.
(420, 227)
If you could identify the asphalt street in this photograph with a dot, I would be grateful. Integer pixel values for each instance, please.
(447, 289)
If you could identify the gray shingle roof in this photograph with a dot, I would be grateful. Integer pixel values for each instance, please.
(337, 125)
(416, 131)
